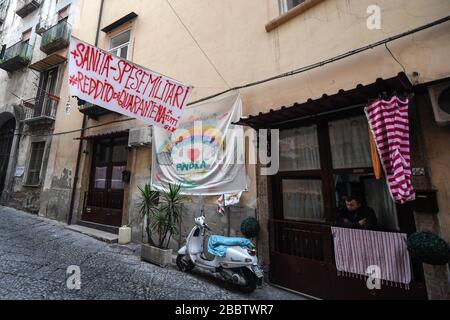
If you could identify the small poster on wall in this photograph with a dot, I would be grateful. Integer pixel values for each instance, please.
(19, 171)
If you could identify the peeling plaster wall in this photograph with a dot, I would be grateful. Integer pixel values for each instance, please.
(60, 175)
(23, 85)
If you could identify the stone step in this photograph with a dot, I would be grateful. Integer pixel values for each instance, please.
(94, 233)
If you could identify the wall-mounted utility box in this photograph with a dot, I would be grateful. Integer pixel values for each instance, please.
(140, 137)
(426, 201)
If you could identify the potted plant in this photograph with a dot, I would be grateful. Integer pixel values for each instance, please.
(429, 248)
(250, 228)
(162, 214)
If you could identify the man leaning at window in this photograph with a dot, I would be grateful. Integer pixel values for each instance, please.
(355, 215)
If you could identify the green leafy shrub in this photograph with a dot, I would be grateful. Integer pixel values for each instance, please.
(162, 213)
(250, 228)
(429, 248)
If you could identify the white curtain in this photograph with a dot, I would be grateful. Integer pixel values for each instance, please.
(380, 200)
(303, 200)
(350, 144)
(299, 149)
(116, 179)
(100, 177)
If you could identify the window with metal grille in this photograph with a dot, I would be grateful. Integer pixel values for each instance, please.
(34, 169)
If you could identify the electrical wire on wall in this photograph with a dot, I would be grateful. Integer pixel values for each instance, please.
(392, 55)
(196, 42)
(295, 71)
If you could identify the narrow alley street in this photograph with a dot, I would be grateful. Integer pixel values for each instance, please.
(36, 252)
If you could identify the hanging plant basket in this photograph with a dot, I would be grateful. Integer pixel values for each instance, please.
(250, 228)
(429, 248)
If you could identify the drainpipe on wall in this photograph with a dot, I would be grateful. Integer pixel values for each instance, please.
(83, 128)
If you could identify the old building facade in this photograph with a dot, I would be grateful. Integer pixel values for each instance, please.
(332, 58)
(34, 35)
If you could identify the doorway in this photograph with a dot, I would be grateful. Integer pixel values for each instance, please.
(6, 140)
(322, 161)
(104, 201)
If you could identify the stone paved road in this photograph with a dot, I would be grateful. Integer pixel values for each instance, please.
(35, 254)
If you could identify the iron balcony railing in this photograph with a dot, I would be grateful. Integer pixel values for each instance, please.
(43, 108)
(17, 56)
(25, 7)
(56, 38)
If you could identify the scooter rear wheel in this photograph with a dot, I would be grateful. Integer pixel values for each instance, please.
(250, 279)
(184, 263)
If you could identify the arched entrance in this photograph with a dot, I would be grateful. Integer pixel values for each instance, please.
(6, 140)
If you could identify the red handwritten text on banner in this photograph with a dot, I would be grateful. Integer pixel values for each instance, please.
(113, 83)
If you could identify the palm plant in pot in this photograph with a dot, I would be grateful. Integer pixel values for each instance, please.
(162, 214)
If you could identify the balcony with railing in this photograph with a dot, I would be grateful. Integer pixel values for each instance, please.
(56, 38)
(25, 7)
(3, 11)
(42, 110)
(91, 110)
(16, 57)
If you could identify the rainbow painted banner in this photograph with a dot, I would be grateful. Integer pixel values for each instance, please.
(206, 154)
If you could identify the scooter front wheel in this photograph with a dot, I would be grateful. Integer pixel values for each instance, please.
(184, 263)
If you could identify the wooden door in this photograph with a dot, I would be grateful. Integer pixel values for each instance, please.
(322, 161)
(105, 197)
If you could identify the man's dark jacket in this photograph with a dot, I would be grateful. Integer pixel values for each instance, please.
(361, 213)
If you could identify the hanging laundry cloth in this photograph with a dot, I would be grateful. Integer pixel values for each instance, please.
(389, 123)
(356, 250)
(227, 200)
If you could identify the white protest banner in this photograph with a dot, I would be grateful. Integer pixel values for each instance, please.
(116, 84)
(206, 154)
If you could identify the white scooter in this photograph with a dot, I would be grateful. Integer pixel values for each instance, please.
(239, 266)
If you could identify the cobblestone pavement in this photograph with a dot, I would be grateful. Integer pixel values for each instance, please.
(36, 252)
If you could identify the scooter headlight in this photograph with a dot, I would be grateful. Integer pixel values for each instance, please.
(251, 252)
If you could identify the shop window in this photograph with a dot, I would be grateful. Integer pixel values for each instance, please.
(286, 5)
(34, 168)
(120, 44)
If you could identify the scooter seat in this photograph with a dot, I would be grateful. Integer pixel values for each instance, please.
(218, 245)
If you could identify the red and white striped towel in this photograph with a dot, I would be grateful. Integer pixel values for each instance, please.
(356, 250)
(389, 123)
